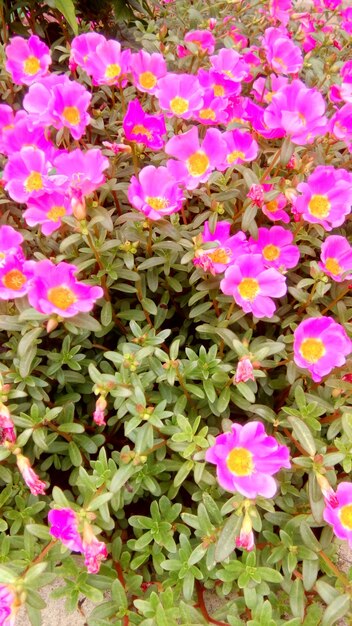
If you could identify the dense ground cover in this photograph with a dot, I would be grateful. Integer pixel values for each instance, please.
(175, 317)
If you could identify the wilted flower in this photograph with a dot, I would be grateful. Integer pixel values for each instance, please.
(336, 258)
(320, 344)
(27, 60)
(94, 550)
(246, 459)
(36, 486)
(339, 513)
(144, 128)
(244, 370)
(54, 289)
(253, 285)
(155, 192)
(256, 194)
(147, 69)
(275, 246)
(64, 526)
(225, 251)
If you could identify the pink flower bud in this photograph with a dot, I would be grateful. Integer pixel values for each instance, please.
(7, 430)
(79, 208)
(99, 413)
(246, 537)
(244, 370)
(327, 491)
(94, 550)
(29, 476)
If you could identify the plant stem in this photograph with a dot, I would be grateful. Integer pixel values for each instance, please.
(336, 300)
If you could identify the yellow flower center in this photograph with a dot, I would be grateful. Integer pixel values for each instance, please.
(240, 462)
(197, 163)
(71, 115)
(31, 65)
(112, 70)
(269, 96)
(312, 350)
(139, 129)
(279, 61)
(319, 206)
(236, 154)
(333, 266)
(179, 105)
(14, 279)
(157, 203)
(147, 80)
(271, 252)
(219, 256)
(271, 206)
(248, 288)
(34, 182)
(218, 90)
(345, 515)
(56, 212)
(207, 114)
(61, 297)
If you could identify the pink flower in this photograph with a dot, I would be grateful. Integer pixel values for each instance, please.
(327, 491)
(144, 128)
(155, 193)
(261, 90)
(196, 160)
(340, 515)
(22, 134)
(84, 170)
(27, 60)
(340, 125)
(39, 98)
(274, 209)
(99, 412)
(220, 84)
(256, 194)
(83, 47)
(203, 39)
(241, 147)
(280, 10)
(336, 258)
(297, 111)
(320, 344)
(326, 197)
(147, 69)
(213, 111)
(253, 286)
(230, 63)
(226, 250)
(47, 210)
(180, 95)
(244, 370)
(108, 65)
(26, 175)
(7, 606)
(54, 289)
(346, 22)
(7, 428)
(64, 526)
(94, 550)
(246, 460)
(245, 539)
(36, 486)
(10, 244)
(15, 277)
(275, 246)
(282, 54)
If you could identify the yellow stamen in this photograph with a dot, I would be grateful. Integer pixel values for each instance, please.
(71, 115)
(56, 212)
(248, 288)
(31, 65)
(112, 71)
(312, 350)
(271, 252)
(147, 80)
(219, 256)
(197, 163)
(345, 515)
(14, 279)
(319, 206)
(333, 266)
(240, 462)
(207, 114)
(157, 203)
(34, 182)
(272, 206)
(179, 105)
(236, 154)
(139, 129)
(61, 297)
(218, 90)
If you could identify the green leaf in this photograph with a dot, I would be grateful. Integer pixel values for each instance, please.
(337, 609)
(121, 477)
(310, 571)
(309, 537)
(302, 434)
(67, 8)
(74, 454)
(183, 473)
(226, 542)
(296, 598)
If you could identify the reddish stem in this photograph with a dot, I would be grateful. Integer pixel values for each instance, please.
(203, 609)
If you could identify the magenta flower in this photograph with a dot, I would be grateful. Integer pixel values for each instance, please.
(84, 170)
(55, 290)
(10, 244)
(252, 285)
(280, 10)
(147, 69)
(144, 128)
(155, 193)
(220, 84)
(36, 486)
(94, 550)
(99, 411)
(274, 209)
(346, 22)
(336, 258)
(281, 53)
(196, 160)
(297, 111)
(47, 210)
(231, 64)
(22, 134)
(245, 539)
(244, 370)
(339, 513)
(203, 39)
(340, 125)
(27, 60)
(39, 99)
(241, 147)
(275, 246)
(69, 105)
(83, 47)
(108, 65)
(8, 606)
(213, 111)
(261, 91)
(326, 197)
(246, 459)
(7, 428)
(180, 95)
(320, 344)
(26, 175)
(15, 277)
(226, 248)
(64, 526)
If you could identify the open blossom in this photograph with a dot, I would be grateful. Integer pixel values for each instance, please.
(26, 175)
(226, 248)
(10, 243)
(252, 285)
(27, 60)
(326, 196)
(7, 428)
(197, 159)
(54, 289)
(231, 64)
(15, 277)
(155, 192)
(108, 65)
(64, 526)
(297, 111)
(38, 100)
(180, 95)
(340, 125)
(244, 370)
(146, 70)
(264, 88)
(47, 211)
(142, 127)
(36, 486)
(82, 48)
(281, 52)
(246, 459)
(275, 246)
(240, 148)
(7, 606)
(338, 513)
(274, 209)
(336, 258)
(213, 111)
(20, 133)
(320, 344)
(203, 39)
(83, 170)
